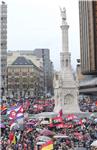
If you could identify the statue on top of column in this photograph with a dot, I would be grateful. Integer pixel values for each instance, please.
(63, 13)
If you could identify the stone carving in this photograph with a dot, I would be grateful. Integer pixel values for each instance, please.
(68, 99)
(63, 13)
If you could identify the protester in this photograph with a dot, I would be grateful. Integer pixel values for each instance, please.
(81, 131)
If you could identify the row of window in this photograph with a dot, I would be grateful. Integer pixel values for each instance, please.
(18, 70)
(20, 74)
(23, 86)
(21, 93)
(12, 79)
(3, 19)
(21, 79)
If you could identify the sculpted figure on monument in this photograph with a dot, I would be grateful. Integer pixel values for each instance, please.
(63, 13)
(68, 99)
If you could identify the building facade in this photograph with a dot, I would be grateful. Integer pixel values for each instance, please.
(24, 78)
(48, 69)
(3, 47)
(88, 36)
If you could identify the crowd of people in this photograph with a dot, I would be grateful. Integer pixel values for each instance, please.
(88, 104)
(65, 132)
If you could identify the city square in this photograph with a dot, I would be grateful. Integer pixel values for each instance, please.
(45, 108)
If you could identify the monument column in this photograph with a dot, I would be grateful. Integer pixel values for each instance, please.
(65, 59)
(64, 28)
(66, 88)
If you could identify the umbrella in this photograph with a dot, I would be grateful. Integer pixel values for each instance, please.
(46, 132)
(40, 143)
(94, 144)
(61, 136)
(44, 122)
(43, 138)
(2, 125)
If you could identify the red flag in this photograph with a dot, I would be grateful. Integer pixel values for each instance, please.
(57, 120)
(21, 109)
(12, 114)
(11, 135)
(12, 138)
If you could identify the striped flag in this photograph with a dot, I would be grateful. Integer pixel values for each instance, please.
(15, 108)
(47, 146)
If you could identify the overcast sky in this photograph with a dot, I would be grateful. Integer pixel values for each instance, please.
(36, 24)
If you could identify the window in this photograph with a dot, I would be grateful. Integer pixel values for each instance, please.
(28, 92)
(20, 93)
(12, 92)
(66, 62)
(56, 77)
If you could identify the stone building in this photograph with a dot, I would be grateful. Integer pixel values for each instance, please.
(88, 36)
(41, 58)
(24, 78)
(3, 47)
(47, 67)
(88, 46)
